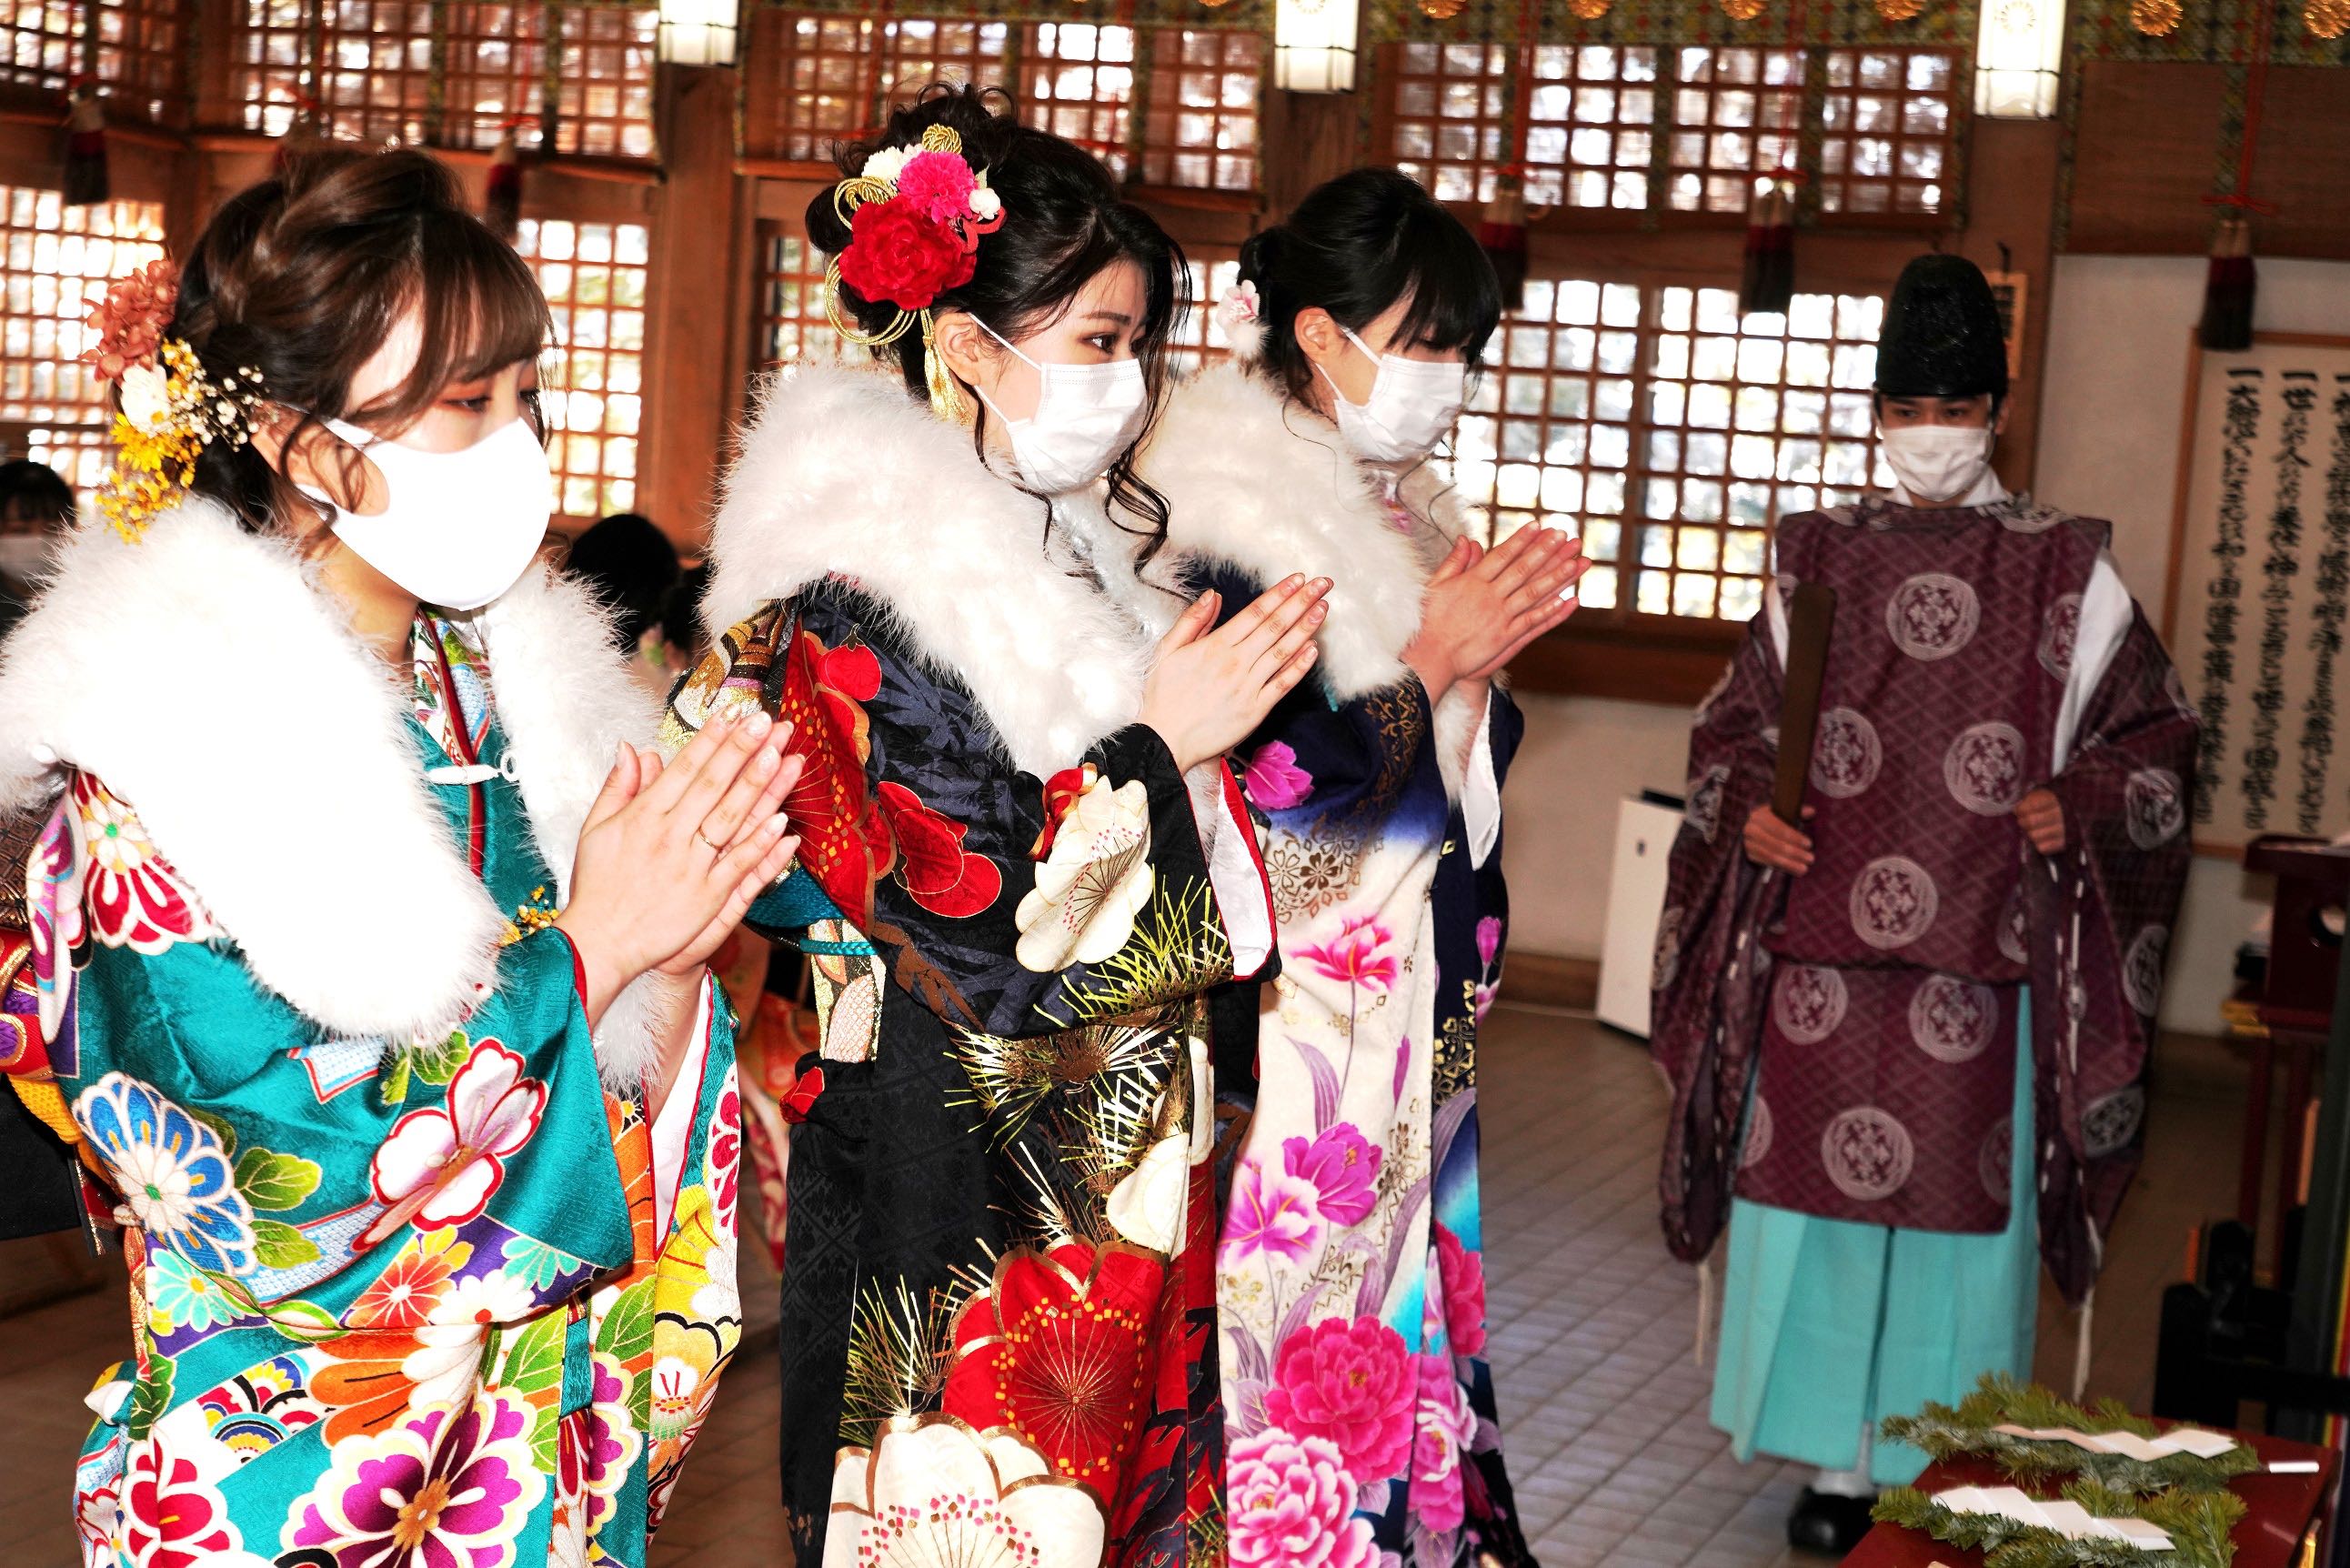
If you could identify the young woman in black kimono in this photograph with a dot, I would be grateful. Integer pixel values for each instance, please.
(1023, 862)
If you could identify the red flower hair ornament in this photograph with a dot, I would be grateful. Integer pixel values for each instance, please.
(915, 216)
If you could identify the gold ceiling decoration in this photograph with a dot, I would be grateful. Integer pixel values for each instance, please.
(2326, 18)
(1899, 10)
(2156, 18)
(1742, 10)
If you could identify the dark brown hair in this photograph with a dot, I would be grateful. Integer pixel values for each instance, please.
(1064, 222)
(305, 275)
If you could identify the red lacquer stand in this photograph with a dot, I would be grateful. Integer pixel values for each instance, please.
(2280, 1511)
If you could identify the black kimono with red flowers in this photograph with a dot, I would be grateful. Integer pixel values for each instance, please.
(998, 1262)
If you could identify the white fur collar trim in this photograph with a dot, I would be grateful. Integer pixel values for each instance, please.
(207, 680)
(841, 475)
(1264, 487)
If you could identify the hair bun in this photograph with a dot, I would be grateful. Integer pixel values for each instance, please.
(1259, 254)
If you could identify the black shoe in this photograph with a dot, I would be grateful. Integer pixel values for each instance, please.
(1827, 1523)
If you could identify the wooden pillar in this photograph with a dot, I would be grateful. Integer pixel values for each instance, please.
(691, 363)
(2011, 178)
(1308, 138)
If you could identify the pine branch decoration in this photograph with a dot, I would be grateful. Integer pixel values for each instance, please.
(2000, 1400)
(2199, 1524)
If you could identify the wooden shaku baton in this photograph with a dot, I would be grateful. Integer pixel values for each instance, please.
(1811, 611)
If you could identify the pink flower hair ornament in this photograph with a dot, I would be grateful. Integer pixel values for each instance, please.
(915, 218)
(1241, 314)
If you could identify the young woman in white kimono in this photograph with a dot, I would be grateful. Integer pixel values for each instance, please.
(365, 950)
(1024, 863)
(1350, 1278)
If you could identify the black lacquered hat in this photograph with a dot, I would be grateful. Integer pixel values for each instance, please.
(1942, 336)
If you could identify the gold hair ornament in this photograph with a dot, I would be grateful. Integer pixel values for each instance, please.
(934, 208)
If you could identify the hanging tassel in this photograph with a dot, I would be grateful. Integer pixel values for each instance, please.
(502, 205)
(1503, 234)
(1767, 282)
(86, 176)
(2227, 324)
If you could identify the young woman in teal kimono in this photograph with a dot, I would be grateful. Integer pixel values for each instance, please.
(367, 949)
(1023, 864)
(1351, 1282)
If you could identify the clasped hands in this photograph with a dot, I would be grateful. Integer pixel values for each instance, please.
(1775, 842)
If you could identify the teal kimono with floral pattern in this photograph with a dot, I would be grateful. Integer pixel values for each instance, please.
(444, 1302)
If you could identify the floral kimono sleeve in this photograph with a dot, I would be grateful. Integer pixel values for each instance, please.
(1006, 903)
(356, 1252)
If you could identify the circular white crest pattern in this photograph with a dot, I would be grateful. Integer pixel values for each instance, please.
(1758, 1136)
(1952, 1020)
(1847, 755)
(1808, 1003)
(1932, 615)
(1668, 962)
(2058, 636)
(2014, 931)
(2020, 518)
(2154, 803)
(1704, 809)
(1893, 902)
(1995, 1158)
(2142, 969)
(1868, 1152)
(2110, 1122)
(1983, 769)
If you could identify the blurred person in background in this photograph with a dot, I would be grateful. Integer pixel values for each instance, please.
(37, 506)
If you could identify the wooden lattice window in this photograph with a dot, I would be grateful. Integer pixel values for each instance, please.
(1202, 128)
(917, 51)
(141, 59)
(792, 325)
(1887, 124)
(1737, 114)
(59, 258)
(1201, 341)
(41, 42)
(272, 56)
(1449, 105)
(594, 279)
(1548, 433)
(1078, 84)
(375, 74)
(1672, 432)
(815, 92)
(1590, 122)
(1591, 113)
(1749, 419)
(494, 58)
(604, 106)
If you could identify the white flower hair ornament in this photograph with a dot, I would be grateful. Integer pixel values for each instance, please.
(1240, 315)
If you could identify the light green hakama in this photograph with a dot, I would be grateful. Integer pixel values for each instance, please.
(1827, 1323)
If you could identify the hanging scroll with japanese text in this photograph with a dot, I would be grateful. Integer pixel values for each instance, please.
(2260, 587)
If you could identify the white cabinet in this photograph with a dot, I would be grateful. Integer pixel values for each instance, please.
(1635, 897)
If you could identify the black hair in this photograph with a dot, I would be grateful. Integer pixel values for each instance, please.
(1355, 246)
(1064, 222)
(35, 493)
(632, 567)
(681, 621)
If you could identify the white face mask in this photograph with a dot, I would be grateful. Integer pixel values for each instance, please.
(1937, 464)
(1085, 416)
(1413, 403)
(458, 527)
(25, 559)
